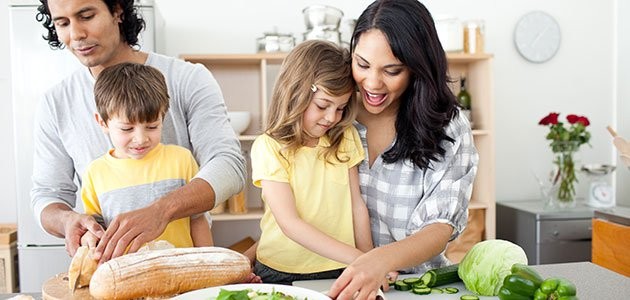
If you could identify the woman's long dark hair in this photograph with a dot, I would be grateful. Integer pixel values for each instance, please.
(132, 22)
(427, 105)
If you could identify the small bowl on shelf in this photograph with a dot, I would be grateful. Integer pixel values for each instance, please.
(239, 120)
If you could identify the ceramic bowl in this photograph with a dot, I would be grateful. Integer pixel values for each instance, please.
(239, 120)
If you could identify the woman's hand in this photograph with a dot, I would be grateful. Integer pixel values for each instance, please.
(362, 278)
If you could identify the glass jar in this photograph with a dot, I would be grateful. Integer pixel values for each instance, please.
(275, 42)
(474, 32)
(237, 204)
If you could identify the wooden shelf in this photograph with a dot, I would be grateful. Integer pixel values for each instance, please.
(461, 57)
(248, 137)
(252, 214)
(480, 132)
(477, 205)
(235, 59)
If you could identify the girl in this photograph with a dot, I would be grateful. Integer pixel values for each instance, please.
(315, 221)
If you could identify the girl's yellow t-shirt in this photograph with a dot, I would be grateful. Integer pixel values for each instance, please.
(322, 195)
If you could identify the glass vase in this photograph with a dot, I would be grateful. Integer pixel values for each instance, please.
(564, 179)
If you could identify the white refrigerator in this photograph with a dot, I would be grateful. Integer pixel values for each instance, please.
(35, 68)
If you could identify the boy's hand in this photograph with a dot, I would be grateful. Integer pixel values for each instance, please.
(89, 239)
(253, 278)
(128, 232)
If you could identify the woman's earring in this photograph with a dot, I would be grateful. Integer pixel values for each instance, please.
(313, 88)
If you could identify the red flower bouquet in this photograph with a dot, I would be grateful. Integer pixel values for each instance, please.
(565, 140)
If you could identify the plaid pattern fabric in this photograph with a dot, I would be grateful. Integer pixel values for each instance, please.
(402, 198)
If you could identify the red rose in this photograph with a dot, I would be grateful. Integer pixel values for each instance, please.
(584, 121)
(578, 119)
(572, 119)
(551, 118)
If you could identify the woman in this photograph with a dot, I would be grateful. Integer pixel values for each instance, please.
(421, 161)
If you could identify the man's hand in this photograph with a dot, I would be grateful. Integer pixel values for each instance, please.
(61, 221)
(77, 225)
(130, 230)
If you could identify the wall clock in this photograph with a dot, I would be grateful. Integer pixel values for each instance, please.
(537, 36)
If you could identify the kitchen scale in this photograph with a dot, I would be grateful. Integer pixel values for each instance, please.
(601, 193)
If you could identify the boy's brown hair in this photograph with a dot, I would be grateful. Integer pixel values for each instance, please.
(133, 91)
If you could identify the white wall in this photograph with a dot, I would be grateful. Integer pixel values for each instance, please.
(623, 94)
(579, 79)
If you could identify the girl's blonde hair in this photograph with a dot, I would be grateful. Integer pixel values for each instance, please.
(319, 63)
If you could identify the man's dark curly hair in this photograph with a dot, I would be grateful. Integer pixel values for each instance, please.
(132, 22)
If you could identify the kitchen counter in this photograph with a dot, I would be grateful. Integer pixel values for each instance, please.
(616, 214)
(592, 281)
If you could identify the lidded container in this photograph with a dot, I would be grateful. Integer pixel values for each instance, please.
(474, 31)
(322, 23)
(450, 33)
(322, 17)
(275, 42)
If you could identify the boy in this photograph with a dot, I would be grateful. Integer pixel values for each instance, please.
(132, 100)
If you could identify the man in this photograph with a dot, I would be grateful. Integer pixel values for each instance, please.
(101, 33)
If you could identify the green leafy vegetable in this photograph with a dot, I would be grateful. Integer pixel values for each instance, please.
(487, 263)
(249, 294)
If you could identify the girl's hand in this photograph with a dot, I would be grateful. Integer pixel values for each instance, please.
(391, 277)
(361, 279)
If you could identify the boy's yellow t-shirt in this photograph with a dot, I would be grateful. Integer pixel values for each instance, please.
(113, 186)
(322, 196)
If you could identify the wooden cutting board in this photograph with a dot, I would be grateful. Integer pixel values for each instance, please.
(56, 288)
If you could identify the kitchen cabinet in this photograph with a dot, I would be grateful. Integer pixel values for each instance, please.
(547, 236)
(247, 82)
(611, 229)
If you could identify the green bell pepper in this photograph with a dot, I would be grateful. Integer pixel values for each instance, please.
(556, 289)
(520, 284)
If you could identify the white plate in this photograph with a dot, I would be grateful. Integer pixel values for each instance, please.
(213, 292)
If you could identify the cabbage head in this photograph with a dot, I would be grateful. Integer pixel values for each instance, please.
(487, 263)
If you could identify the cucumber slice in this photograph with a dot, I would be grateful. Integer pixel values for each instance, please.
(451, 290)
(421, 290)
(401, 286)
(469, 297)
(437, 291)
(411, 280)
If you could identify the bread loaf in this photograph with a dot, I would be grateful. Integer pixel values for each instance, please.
(167, 272)
(81, 268)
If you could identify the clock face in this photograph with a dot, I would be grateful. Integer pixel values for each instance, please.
(537, 36)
